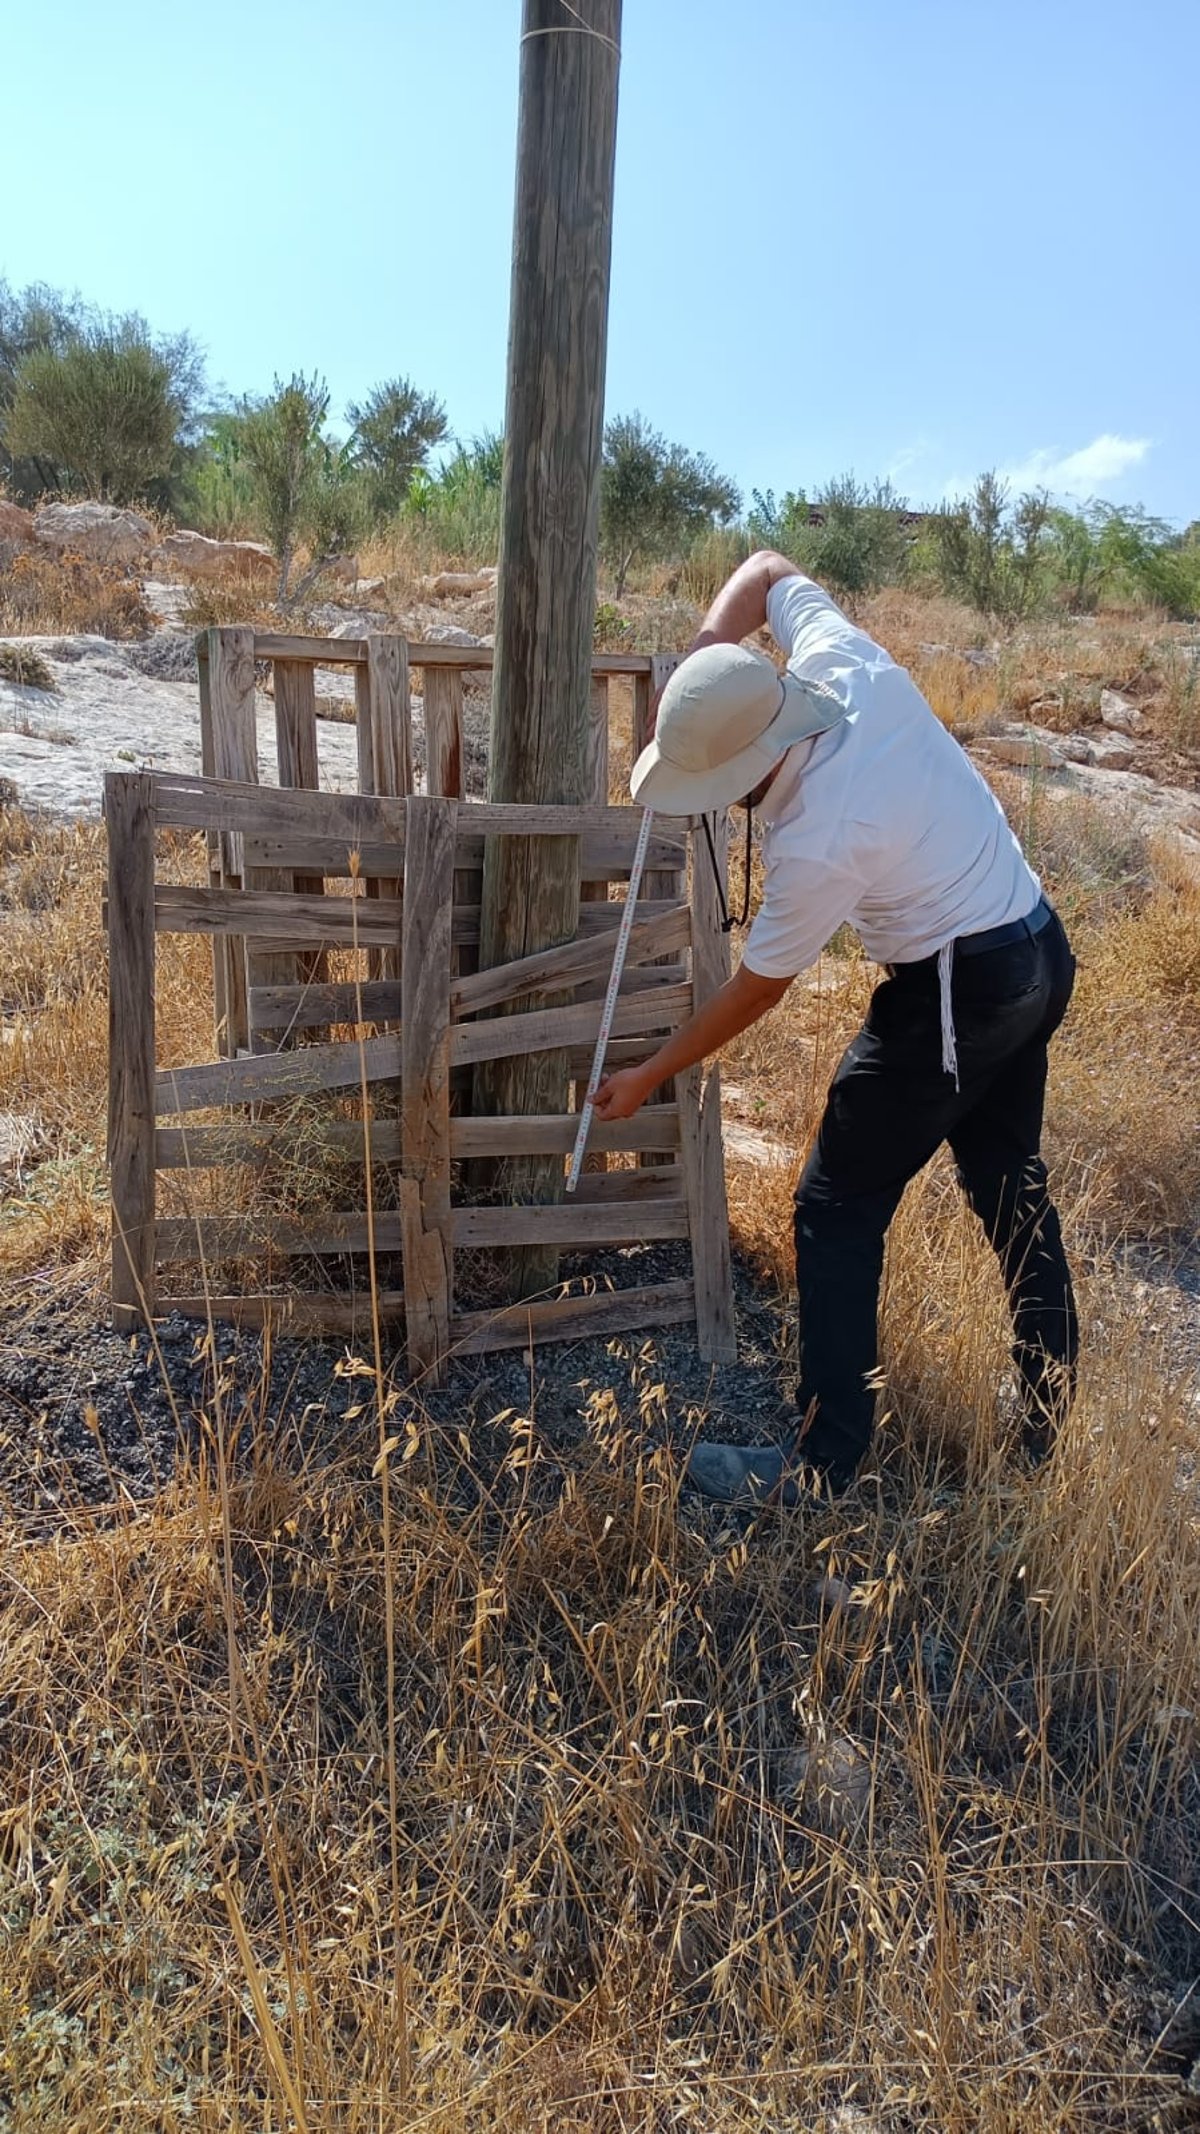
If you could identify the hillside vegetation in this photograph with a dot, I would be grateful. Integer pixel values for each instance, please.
(385, 1758)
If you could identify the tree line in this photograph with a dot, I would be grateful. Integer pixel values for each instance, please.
(96, 403)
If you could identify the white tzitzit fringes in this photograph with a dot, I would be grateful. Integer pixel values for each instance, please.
(949, 1048)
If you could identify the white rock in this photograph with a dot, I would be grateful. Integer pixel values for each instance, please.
(20, 1137)
(99, 531)
(1075, 748)
(200, 557)
(447, 582)
(1117, 711)
(753, 1147)
(829, 1778)
(1111, 752)
(1023, 747)
(125, 720)
(448, 633)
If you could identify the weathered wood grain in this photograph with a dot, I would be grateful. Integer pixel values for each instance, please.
(216, 1237)
(549, 510)
(228, 1237)
(129, 815)
(182, 1148)
(274, 1076)
(573, 1318)
(425, 1079)
(317, 1313)
(702, 1153)
(384, 751)
(442, 697)
(352, 651)
(298, 765)
(544, 1029)
(198, 1148)
(571, 1224)
(234, 743)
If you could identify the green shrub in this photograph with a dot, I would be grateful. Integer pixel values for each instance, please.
(394, 430)
(304, 486)
(21, 664)
(656, 499)
(990, 553)
(853, 537)
(93, 402)
(453, 515)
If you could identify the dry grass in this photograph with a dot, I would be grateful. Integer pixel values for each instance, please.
(47, 596)
(378, 1776)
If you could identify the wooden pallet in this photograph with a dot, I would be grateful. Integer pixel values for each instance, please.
(400, 907)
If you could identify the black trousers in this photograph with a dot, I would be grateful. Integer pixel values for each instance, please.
(890, 1106)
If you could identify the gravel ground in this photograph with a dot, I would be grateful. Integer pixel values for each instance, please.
(87, 1415)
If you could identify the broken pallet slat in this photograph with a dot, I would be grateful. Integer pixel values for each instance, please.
(614, 1311)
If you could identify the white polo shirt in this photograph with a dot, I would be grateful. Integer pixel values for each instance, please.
(883, 821)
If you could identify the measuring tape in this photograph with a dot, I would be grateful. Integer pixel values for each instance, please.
(610, 1000)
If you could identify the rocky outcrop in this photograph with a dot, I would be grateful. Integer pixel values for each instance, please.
(101, 532)
(196, 555)
(1025, 748)
(1117, 711)
(451, 582)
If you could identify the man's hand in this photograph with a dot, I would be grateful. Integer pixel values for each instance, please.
(730, 1010)
(621, 1094)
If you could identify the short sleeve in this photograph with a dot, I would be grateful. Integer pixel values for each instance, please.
(793, 601)
(804, 902)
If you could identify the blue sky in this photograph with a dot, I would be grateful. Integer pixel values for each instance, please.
(905, 237)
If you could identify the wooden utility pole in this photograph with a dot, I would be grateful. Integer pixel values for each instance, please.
(553, 435)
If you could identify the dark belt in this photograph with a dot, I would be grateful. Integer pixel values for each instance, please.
(1026, 929)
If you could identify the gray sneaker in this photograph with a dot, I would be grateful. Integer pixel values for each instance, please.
(737, 1474)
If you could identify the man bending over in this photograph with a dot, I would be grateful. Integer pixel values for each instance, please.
(872, 814)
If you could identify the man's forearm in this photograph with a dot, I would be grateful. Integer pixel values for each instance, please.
(739, 1002)
(740, 607)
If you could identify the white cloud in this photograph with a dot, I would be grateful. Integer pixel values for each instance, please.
(908, 456)
(1082, 473)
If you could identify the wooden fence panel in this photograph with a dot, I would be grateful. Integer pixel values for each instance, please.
(675, 1191)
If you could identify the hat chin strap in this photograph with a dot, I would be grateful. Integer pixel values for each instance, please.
(727, 921)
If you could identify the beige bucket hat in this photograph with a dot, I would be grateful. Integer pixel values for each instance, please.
(725, 719)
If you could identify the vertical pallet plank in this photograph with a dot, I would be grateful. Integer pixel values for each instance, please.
(296, 750)
(220, 945)
(381, 687)
(385, 732)
(443, 699)
(658, 881)
(425, 1080)
(129, 814)
(444, 758)
(595, 790)
(234, 754)
(701, 1152)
